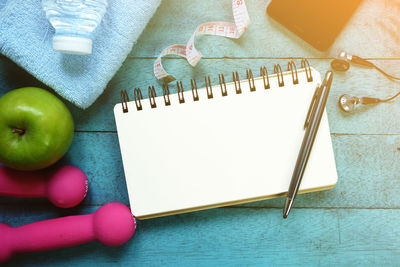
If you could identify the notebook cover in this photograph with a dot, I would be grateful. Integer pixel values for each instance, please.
(221, 151)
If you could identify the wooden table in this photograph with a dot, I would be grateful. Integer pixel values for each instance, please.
(356, 223)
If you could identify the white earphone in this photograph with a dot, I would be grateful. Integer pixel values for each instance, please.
(349, 103)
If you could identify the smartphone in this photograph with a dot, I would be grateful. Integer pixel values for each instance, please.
(318, 22)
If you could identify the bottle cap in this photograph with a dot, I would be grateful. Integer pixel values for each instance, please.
(72, 45)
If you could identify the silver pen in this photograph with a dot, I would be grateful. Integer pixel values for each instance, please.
(311, 125)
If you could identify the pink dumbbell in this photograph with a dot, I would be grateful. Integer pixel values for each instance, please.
(64, 186)
(112, 225)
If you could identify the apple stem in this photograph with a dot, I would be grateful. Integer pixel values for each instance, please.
(18, 131)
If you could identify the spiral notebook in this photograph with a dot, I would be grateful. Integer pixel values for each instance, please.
(227, 143)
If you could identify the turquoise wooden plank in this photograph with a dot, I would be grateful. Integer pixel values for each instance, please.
(368, 177)
(372, 32)
(376, 119)
(242, 236)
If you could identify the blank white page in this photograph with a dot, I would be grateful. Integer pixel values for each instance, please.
(221, 151)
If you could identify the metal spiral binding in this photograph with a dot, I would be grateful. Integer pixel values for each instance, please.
(221, 79)
(124, 101)
(165, 90)
(180, 92)
(138, 96)
(152, 97)
(249, 75)
(208, 87)
(292, 67)
(194, 89)
(237, 82)
(306, 65)
(279, 74)
(264, 74)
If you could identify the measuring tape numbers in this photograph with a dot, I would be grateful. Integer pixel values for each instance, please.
(189, 51)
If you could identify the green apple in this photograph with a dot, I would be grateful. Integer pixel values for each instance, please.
(36, 129)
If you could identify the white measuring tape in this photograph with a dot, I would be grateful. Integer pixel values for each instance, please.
(192, 55)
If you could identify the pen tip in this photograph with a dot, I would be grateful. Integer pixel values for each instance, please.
(288, 206)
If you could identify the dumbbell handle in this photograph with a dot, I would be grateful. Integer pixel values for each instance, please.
(112, 225)
(15, 183)
(51, 234)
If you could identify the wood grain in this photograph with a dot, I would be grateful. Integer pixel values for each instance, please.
(249, 236)
(368, 177)
(356, 223)
(134, 73)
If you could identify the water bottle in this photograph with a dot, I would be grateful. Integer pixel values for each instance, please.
(74, 22)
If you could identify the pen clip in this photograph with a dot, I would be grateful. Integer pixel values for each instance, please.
(312, 104)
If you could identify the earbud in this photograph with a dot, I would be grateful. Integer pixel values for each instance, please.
(342, 63)
(348, 103)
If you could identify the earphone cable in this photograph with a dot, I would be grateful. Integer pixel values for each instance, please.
(393, 97)
(390, 77)
(385, 73)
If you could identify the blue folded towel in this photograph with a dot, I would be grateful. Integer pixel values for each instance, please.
(26, 38)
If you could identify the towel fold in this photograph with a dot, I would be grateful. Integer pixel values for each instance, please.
(26, 38)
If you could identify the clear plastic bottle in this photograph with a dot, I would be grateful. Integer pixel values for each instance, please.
(74, 22)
